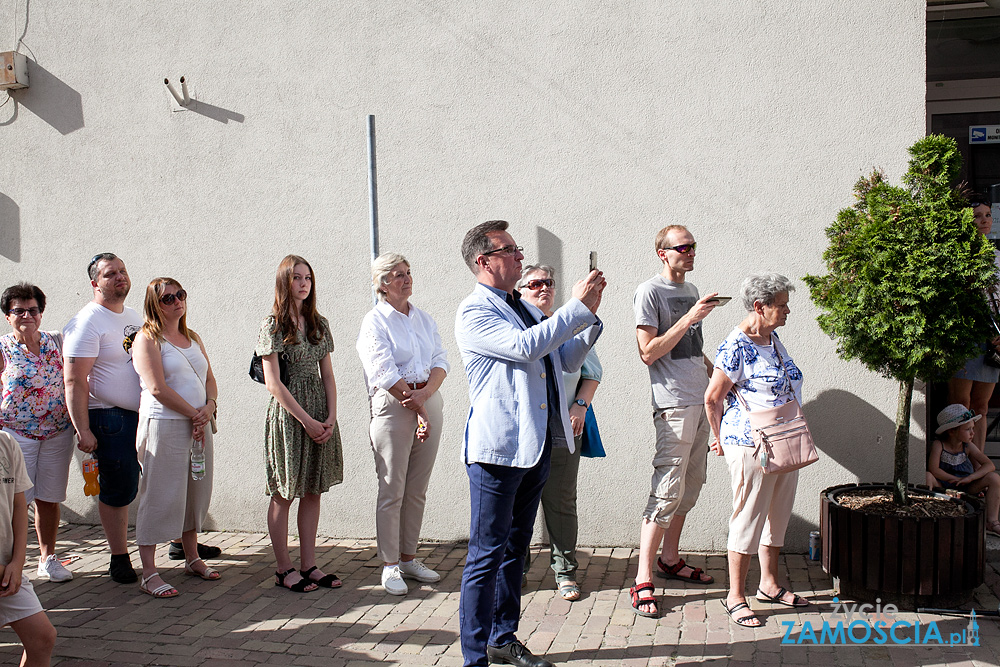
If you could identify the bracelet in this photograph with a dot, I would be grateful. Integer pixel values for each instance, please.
(214, 401)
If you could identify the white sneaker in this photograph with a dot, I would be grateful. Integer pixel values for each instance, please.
(53, 570)
(414, 569)
(392, 581)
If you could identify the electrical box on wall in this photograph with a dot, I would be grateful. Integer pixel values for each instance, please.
(13, 70)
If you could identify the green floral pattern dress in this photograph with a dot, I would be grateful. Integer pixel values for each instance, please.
(295, 465)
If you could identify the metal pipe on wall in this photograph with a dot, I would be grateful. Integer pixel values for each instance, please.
(372, 194)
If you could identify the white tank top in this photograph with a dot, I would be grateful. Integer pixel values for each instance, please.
(185, 371)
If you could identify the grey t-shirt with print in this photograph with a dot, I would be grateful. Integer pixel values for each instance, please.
(679, 378)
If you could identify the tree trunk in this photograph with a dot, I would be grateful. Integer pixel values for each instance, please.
(901, 468)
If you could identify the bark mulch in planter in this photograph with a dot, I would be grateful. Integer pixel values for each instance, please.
(880, 502)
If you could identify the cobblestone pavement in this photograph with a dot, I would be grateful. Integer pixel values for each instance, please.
(243, 619)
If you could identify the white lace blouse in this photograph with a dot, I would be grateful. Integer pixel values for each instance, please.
(393, 346)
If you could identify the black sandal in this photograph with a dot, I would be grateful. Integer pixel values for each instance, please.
(638, 600)
(797, 601)
(745, 620)
(671, 572)
(297, 587)
(328, 581)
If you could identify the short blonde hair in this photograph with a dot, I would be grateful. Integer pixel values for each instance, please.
(381, 268)
(661, 236)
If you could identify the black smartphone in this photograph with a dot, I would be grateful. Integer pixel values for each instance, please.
(593, 260)
(720, 300)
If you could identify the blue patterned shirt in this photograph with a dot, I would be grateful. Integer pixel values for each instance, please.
(761, 381)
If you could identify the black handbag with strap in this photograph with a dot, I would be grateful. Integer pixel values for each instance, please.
(257, 368)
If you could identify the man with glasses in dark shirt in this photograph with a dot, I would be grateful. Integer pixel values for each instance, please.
(514, 359)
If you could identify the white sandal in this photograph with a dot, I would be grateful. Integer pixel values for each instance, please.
(162, 591)
(209, 574)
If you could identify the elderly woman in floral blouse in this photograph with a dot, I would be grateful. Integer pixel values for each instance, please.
(33, 410)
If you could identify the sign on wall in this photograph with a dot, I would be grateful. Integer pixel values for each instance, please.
(984, 134)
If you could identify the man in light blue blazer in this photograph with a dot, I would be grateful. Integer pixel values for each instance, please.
(514, 359)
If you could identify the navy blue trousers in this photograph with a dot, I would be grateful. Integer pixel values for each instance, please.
(504, 504)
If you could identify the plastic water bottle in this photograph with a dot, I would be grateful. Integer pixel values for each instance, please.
(198, 460)
(91, 486)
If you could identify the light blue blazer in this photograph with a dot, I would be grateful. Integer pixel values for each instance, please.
(504, 361)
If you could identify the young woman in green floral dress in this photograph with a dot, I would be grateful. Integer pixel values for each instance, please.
(302, 450)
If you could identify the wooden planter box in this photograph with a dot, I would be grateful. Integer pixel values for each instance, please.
(911, 562)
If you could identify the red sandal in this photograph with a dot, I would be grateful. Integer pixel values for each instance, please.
(638, 600)
(670, 572)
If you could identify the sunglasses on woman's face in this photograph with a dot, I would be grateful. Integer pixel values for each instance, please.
(168, 299)
(539, 283)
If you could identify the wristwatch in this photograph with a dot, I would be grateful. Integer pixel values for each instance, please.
(582, 403)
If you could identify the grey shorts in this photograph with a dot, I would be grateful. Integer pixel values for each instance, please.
(680, 462)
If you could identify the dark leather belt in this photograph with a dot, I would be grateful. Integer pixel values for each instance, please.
(419, 385)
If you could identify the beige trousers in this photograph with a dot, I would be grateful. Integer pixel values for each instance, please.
(762, 504)
(404, 466)
(170, 502)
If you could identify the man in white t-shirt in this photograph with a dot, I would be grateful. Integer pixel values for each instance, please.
(102, 393)
(668, 315)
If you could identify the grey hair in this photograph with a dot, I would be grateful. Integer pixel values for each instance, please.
(763, 287)
(477, 242)
(381, 268)
(535, 268)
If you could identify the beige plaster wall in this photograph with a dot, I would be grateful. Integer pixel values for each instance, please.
(588, 125)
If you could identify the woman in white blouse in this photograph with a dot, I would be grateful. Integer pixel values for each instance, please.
(405, 365)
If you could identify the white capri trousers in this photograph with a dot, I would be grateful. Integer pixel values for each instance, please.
(404, 466)
(170, 502)
(47, 463)
(762, 504)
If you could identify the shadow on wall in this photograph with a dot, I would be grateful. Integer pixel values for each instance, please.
(10, 229)
(51, 100)
(853, 433)
(550, 251)
(215, 113)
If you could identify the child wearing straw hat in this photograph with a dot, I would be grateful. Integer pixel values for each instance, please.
(956, 463)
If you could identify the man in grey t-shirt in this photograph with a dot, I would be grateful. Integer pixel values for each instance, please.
(668, 315)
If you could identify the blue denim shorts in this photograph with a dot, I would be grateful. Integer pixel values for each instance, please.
(118, 465)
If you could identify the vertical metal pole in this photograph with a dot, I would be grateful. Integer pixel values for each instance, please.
(372, 194)
(372, 187)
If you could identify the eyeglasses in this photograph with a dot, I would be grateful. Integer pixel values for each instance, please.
(507, 249)
(539, 283)
(683, 249)
(168, 299)
(21, 312)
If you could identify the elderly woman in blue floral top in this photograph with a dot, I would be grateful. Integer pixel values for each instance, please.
(753, 362)
(33, 410)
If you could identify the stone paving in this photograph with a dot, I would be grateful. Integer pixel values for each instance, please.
(243, 619)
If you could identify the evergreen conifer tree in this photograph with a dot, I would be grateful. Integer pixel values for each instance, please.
(907, 274)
